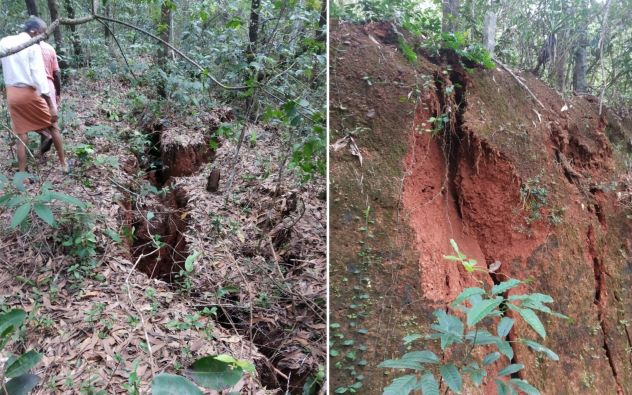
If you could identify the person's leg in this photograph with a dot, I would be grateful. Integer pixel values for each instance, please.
(46, 141)
(21, 150)
(59, 145)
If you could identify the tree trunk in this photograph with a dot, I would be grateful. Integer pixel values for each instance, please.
(166, 31)
(76, 42)
(106, 31)
(450, 16)
(579, 74)
(253, 30)
(54, 15)
(31, 7)
(489, 32)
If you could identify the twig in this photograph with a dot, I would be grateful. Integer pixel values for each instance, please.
(119, 47)
(522, 84)
(140, 313)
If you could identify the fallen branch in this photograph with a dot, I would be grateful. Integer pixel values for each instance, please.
(522, 84)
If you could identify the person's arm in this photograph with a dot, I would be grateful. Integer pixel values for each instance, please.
(38, 71)
(57, 82)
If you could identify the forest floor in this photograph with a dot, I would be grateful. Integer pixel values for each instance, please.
(107, 292)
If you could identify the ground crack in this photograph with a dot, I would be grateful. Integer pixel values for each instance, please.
(600, 302)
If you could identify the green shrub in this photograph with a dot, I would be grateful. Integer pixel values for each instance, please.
(464, 329)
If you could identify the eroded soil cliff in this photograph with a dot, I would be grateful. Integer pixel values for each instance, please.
(532, 187)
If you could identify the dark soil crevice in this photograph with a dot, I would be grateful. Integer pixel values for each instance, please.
(601, 302)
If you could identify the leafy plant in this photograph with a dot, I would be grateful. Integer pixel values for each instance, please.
(17, 197)
(218, 372)
(16, 368)
(464, 329)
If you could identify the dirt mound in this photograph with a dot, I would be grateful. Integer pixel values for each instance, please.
(533, 188)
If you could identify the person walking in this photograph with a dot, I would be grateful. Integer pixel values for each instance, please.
(28, 93)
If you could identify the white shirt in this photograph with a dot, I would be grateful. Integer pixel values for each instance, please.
(25, 67)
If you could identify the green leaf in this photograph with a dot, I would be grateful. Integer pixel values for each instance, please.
(481, 310)
(540, 348)
(525, 387)
(20, 215)
(20, 385)
(18, 180)
(534, 322)
(467, 292)
(455, 247)
(5, 336)
(400, 364)
(401, 386)
(13, 318)
(504, 326)
(62, 197)
(171, 384)
(188, 264)
(501, 387)
(429, 385)
(215, 373)
(452, 377)
(491, 358)
(476, 374)
(411, 338)
(45, 213)
(505, 286)
(23, 364)
(511, 369)
(505, 348)
(481, 337)
(411, 360)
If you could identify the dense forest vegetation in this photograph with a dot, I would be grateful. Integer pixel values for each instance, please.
(189, 237)
(578, 46)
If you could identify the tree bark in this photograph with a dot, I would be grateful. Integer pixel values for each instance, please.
(76, 42)
(31, 7)
(166, 31)
(253, 30)
(579, 73)
(450, 16)
(489, 32)
(54, 15)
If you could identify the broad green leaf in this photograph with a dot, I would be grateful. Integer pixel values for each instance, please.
(18, 180)
(171, 384)
(245, 365)
(5, 336)
(401, 386)
(491, 358)
(511, 369)
(452, 377)
(23, 364)
(540, 348)
(424, 356)
(525, 387)
(45, 213)
(534, 322)
(481, 337)
(190, 261)
(481, 310)
(505, 348)
(448, 323)
(400, 364)
(62, 197)
(476, 373)
(213, 373)
(504, 326)
(20, 215)
(13, 317)
(428, 384)
(501, 387)
(505, 286)
(467, 292)
(3, 181)
(411, 338)
(21, 385)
